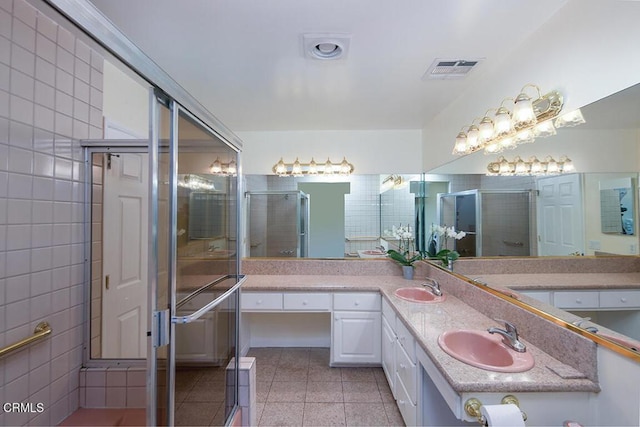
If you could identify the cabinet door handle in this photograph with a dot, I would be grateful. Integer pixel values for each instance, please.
(356, 303)
(578, 301)
(304, 303)
(623, 300)
(402, 366)
(259, 302)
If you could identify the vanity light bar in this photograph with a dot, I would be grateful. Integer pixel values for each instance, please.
(503, 167)
(312, 168)
(528, 118)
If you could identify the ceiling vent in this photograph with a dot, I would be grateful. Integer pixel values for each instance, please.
(326, 46)
(447, 69)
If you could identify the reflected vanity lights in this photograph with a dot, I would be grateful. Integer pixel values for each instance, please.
(312, 168)
(515, 122)
(195, 182)
(223, 169)
(504, 167)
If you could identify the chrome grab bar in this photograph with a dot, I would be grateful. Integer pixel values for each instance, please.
(42, 330)
(209, 306)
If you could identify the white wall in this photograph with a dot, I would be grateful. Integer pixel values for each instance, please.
(126, 102)
(618, 404)
(370, 151)
(585, 51)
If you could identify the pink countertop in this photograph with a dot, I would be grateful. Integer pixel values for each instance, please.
(428, 321)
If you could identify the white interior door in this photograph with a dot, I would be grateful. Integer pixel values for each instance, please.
(125, 243)
(560, 215)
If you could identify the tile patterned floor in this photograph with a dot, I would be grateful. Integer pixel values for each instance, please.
(296, 387)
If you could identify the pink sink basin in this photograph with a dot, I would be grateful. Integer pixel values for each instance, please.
(625, 342)
(418, 295)
(484, 350)
(371, 252)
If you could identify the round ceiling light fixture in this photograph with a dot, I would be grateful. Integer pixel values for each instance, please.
(327, 50)
(326, 46)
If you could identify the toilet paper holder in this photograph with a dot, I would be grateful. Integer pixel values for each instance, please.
(472, 408)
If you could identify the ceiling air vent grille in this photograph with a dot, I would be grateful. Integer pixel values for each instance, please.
(450, 69)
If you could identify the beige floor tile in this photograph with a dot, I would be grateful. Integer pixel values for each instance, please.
(211, 391)
(195, 413)
(365, 414)
(358, 374)
(324, 414)
(319, 357)
(262, 390)
(282, 414)
(294, 358)
(393, 414)
(265, 355)
(325, 373)
(265, 372)
(214, 374)
(292, 391)
(259, 410)
(291, 374)
(324, 391)
(361, 392)
(186, 378)
(379, 375)
(220, 416)
(385, 392)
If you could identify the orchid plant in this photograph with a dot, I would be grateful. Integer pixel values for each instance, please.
(438, 246)
(406, 254)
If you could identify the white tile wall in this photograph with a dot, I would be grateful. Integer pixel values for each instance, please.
(50, 86)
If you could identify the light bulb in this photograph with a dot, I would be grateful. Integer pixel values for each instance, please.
(486, 129)
(460, 146)
(216, 166)
(345, 167)
(232, 169)
(544, 129)
(502, 125)
(313, 167)
(523, 114)
(328, 167)
(281, 168)
(472, 138)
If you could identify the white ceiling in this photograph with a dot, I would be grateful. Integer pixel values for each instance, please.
(243, 59)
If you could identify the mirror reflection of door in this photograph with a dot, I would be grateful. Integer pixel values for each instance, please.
(560, 215)
(124, 254)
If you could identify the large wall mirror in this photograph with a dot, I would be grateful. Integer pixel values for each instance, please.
(613, 123)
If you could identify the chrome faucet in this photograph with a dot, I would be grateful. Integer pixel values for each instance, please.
(433, 285)
(579, 323)
(510, 334)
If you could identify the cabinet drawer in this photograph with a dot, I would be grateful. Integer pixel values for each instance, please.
(620, 299)
(586, 299)
(406, 371)
(543, 296)
(389, 315)
(406, 340)
(406, 407)
(307, 301)
(257, 301)
(369, 301)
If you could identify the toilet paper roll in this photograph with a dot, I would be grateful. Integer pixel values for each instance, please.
(502, 415)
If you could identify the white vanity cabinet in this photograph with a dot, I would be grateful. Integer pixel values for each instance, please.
(399, 363)
(389, 339)
(356, 329)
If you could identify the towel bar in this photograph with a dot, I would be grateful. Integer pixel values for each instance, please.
(42, 330)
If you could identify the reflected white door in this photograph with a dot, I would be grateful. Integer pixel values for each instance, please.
(125, 242)
(560, 215)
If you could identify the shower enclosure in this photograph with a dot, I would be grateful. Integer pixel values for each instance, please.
(278, 223)
(497, 222)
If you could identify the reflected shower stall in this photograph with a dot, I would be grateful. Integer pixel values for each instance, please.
(278, 224)
(497, 222)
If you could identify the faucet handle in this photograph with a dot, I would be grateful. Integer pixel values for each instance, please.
(510, 327)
